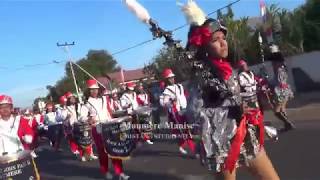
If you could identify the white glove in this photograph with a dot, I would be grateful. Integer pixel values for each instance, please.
(45, 128)
(99, 128)
(130, 111)
(27, 139)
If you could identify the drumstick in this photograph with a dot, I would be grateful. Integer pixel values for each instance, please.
(4, 149)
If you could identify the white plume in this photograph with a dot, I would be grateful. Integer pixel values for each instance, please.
(138, 10)
(193, 13)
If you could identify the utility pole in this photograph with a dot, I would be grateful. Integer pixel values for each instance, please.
(66, 46)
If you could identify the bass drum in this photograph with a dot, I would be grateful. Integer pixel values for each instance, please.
(19, 166)
(118, 137)
(82, 133)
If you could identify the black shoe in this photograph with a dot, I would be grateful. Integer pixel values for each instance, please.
(288, 125)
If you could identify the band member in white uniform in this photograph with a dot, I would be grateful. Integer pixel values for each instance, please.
(51, 120)
(129, 101)
(174, 100)
(74, 111)
(15, 132)
(99, 113)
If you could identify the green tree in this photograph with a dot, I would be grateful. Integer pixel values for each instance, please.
(311, 25)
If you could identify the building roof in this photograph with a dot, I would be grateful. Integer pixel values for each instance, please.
(129, 75)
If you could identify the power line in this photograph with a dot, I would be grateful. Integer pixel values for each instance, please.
(117, 52)
(27, 66)
(132, 47)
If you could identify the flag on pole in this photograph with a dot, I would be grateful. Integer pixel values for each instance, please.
(263, 11)
(122, 75)
(267, 22)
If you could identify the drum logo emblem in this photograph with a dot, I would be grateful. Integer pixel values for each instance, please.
(123, 136)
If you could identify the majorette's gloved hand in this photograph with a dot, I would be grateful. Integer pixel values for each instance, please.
(27, 139)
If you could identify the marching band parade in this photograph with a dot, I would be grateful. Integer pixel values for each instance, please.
(225, 102)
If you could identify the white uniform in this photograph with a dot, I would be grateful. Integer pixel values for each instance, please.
(98, 108)
(61, 114)
(129, 102)
(51, 118)
(143, 99)
(115, 105)
(79, 114)
(9, 139)
(38, 119)
(175, 93)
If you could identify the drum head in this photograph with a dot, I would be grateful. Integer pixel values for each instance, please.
(120, 113)
(19, 166)
(119, 119)
(14, 157)
(143, 110)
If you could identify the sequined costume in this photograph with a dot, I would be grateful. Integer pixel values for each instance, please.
(221, 116)
(282, 90)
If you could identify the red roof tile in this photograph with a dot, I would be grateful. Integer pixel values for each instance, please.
(129, 75)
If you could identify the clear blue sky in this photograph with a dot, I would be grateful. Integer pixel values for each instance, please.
(29, 31)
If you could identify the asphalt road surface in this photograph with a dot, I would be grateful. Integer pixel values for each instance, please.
(296, 156)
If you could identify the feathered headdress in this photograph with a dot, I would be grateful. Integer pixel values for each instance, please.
(193, 13)
(138, 10)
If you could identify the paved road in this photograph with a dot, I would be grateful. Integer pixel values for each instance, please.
(295, 156)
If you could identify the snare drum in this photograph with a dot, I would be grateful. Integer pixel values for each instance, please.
(82, 133)
(143, 111)
(119, 113)
(144, 116)
(19, 166)
(117, 137)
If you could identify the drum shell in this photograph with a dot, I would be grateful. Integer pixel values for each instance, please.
(116, 138)
(19, 166)
(82, 133)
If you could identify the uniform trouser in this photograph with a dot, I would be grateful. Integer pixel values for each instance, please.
(72, 143)
(103, 156)
(186, 139)
(74, 147)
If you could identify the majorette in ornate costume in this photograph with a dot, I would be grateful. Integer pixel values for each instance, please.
(232, 136)
(129, 101)
(75, 112)
(249, 87)
(16, 138)
(282, 90)
(174, 100)
(99, 112)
